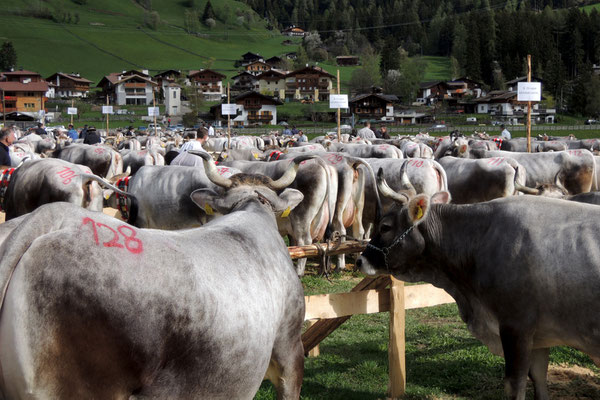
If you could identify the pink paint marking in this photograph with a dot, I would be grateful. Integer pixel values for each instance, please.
(99, 150)
(576, 153)
(128, 237)
(67, 174)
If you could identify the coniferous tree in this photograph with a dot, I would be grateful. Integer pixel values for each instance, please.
(208, 12)
(8, 57)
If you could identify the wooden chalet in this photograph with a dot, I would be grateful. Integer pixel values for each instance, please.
(275, 62)
(253, 109)
(257, 67)
(208, 82)
(373, 106)
(272, 81)
(244, 82)
(22, 91)
(69, 85)
(294, 31)
(310, 82)
(433, 91)
(250, 57)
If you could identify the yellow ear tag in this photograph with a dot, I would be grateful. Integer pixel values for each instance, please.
(208, 209)
(286, 213)
(419, 212)
(107, 196)
(255, 155)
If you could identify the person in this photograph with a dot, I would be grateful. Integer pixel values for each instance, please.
(287, 131)
(187, 159)
(40, 129)
(169, 121)
(211, 130)
(294, 130)
(7, 138)
(383, 133)
(366, 132)
(130, 131)
(83, 132)
(72, 133)
(92, 136)
(301, 137)
(505, 133)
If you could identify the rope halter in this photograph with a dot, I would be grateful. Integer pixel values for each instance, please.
(386, 250)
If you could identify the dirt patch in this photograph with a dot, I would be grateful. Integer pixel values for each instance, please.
(573, 383)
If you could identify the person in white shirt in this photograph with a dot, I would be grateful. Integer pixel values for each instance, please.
(187, 159)
(505, 133)
(366, 132)
(211, 130)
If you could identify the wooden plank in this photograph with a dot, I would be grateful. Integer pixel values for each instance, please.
(312, 250)
(343, 304)
(314, 352)
(335, 305)
(319, 331)
(397, 346)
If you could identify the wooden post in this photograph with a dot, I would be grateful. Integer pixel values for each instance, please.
(314, 352)
(72, 104)
(397, 346)
(154, 113)
(529, 106)
(339, 113)
(228, 121)
(107, 116)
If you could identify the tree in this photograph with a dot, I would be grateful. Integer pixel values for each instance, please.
(390, 57)
(367, 75)
(208, 12)
(412, 72)
(8, 57)
(592, 107)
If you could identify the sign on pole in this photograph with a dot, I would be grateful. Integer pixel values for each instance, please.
(338, 101)
(72, 111)
(107, 109)
(228, 109)
(153, 111)
(529, 91)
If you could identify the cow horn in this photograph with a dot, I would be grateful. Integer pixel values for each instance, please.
(525, 189)
(288, 177)
(406, 184)
(211, 170)
(387, 191)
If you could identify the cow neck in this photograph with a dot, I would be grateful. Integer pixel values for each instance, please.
(453, 234)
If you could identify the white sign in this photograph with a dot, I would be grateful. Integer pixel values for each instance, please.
(72, 111)
(529, 91)
(153, 112)
(338, 101)
(228, 109)
(107, 110)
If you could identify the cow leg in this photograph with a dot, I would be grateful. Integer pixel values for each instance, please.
(304, 239)
(286, 369)
(516, 345)
(538, 371)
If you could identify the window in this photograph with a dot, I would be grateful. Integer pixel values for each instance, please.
(174, 94)
(29, 105)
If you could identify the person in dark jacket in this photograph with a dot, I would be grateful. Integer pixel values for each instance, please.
(7, 137)
(40, 129)
(92, 136)
(83, 132)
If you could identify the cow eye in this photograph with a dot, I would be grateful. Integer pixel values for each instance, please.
(385, 228)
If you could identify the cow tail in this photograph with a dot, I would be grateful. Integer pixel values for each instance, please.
(442, 178)
(133, 210)
(105, 183)
(355, 161)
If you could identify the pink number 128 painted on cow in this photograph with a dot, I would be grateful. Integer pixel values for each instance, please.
(128, 237)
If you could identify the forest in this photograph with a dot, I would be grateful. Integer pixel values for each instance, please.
(486, 40)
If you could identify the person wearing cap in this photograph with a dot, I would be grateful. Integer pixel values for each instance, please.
(40, 129)
(130, 131)
(92, 136)
(7, 137)
(72, 133)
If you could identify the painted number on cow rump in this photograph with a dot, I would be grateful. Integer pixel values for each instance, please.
(415, 163)
(67, 174)
(496, 160)
(576, 153)
(99, 150)
(334, 158)
(128, 237)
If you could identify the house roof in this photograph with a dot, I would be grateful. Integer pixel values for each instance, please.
(250, 54)
(274, 59)
(293, 28)
(115, 78)
(245, 73)
(272, 73)
(167, 73)
(311, 69)
(523, 79)
(252, 93)
(385, 97)
(497, 96)
(41, 86)
(72, 77)
(19, 73)
(197, 71)
(429, 84)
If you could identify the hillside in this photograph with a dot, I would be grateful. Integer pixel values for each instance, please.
(110, 35)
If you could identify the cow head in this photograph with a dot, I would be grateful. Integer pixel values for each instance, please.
(397, 241)
(241, 189)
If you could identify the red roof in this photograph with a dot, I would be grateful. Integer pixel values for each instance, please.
(19, 73)
(24, 87)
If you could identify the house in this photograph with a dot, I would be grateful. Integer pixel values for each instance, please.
(128, 87)
(172, 93)
(504, 105)
(166, 77)
(373, 106)
(513, 84)
(275, 62)
(464, 87)
(347, 60)
(69, 85)
(273, 82)
(310, 82)
(207, 82)
(257, 67)
(244, 82)
(250, 57)
(433, 91)
(253, 109)
(22, 91)
(294, 31)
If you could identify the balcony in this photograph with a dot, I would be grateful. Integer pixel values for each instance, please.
(252, 106)
(260, 118)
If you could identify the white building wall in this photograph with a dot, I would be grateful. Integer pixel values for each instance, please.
(173, 100)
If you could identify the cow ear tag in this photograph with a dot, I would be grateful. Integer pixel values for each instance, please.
(286, 213)
(208, 209)
(419, 212)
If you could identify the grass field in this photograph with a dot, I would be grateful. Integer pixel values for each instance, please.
(443, 360)
(591, 7)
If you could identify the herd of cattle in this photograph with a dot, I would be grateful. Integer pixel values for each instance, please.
(93, 307)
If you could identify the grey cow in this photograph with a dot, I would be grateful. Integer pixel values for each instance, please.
(521, 286)
(96, 308)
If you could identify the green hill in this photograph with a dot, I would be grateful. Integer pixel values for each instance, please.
(103, 36)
